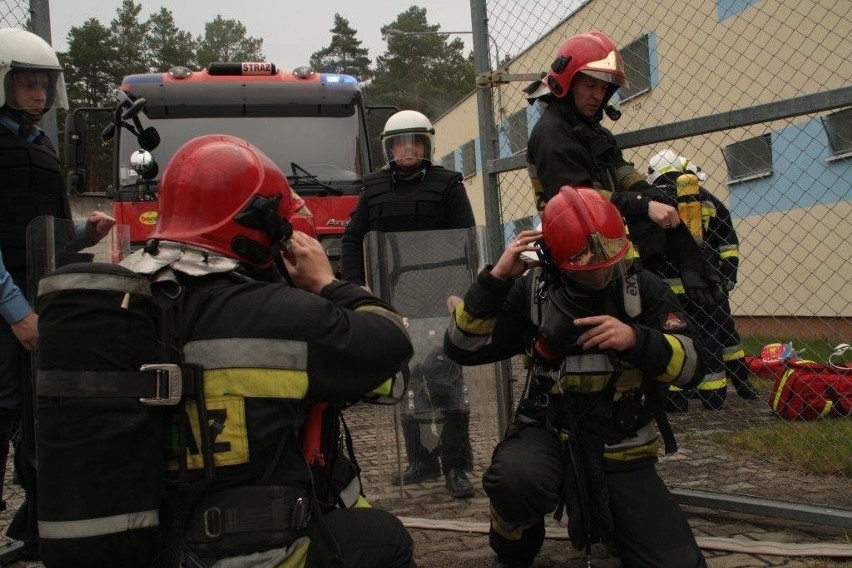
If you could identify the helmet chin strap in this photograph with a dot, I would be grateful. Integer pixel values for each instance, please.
(24, 117)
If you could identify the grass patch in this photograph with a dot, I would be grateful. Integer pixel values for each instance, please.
(820, 446)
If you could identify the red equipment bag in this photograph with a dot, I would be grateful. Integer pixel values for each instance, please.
(809, 390)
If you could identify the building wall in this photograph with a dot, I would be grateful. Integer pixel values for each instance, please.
(710, 57)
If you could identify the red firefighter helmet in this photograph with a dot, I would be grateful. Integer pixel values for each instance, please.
(591, 53)
(223, 194)
(584, 237)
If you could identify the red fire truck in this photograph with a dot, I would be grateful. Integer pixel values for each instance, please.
(313, 125)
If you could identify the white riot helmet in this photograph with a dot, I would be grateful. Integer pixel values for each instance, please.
(667, 161)
(23, 56)
(408, 130)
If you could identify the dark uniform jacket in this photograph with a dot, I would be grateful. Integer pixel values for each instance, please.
(498, 320)
(564, 149)
(269, 351)
(31, 184)
(432, 199)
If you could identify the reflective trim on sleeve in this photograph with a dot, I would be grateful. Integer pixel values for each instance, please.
(681, 367)
(470, 333)
(92, 281)
(385, 313)
(234, 352)
(468, 342)
(99, 526)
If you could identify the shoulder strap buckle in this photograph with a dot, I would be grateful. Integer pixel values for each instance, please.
(169, 384)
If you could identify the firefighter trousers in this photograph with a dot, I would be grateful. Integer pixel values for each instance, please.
(524, 482)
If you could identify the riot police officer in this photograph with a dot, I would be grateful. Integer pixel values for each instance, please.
(31, 184)
(411, 194)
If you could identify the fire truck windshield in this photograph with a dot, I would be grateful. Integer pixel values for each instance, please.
(329, 146)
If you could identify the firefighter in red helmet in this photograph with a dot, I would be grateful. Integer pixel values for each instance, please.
(606, 341)
(568, 145)
(268, 351)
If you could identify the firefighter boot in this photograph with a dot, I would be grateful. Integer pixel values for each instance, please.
(422, 463)
(515, 548)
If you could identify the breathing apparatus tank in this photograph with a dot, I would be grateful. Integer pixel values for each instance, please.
(689, 204)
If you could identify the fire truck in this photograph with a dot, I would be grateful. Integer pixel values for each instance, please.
(312, 125)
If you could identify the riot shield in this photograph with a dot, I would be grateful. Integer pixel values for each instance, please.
(447, 419)
(52, 243)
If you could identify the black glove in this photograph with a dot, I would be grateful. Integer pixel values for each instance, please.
(704, 287)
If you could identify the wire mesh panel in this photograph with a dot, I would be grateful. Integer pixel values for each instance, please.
(758, 94)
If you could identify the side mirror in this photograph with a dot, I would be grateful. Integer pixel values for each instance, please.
(75, 140)
(77, 181)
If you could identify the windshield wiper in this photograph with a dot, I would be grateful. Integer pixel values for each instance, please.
(307, 178)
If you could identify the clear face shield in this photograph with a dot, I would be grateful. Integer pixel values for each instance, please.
(407, 149)
(602, 261)
(31, 90)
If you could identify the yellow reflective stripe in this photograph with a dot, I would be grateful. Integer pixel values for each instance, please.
(383, 389)
(256, 383)
(509, 531)
(247, 352)
(580, 383)
(733, 353)
(362, 503)
(651, 448)
(782, 384)
(681, 366)
(471, 325)
(232, 446)
(99, 526)
(713, 381)
(827, 408)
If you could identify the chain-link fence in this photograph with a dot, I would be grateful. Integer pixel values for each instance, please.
(758, 95)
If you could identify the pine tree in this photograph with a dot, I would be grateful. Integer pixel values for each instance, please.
(345, 54)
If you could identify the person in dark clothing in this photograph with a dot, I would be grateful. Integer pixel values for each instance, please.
(412, 194)
(568, 146)
(31, 184)
(605, 342)
(710, 223)
(269, 351)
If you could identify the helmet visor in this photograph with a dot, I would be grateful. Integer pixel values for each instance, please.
(32, 89)
(599, 263)
(407, 148)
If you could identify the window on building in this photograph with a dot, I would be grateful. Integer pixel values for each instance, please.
(517, 131)
(468, 158)
(749, 159)
(449, 161)
(838, 127)
(637, 63)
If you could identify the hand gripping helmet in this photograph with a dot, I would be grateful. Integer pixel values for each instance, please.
(591, 53)
(408, 129)
(584, 238)
(223, 194)
(22, 51)
(667, 162)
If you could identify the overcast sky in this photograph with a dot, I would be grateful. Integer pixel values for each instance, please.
(291, 29)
